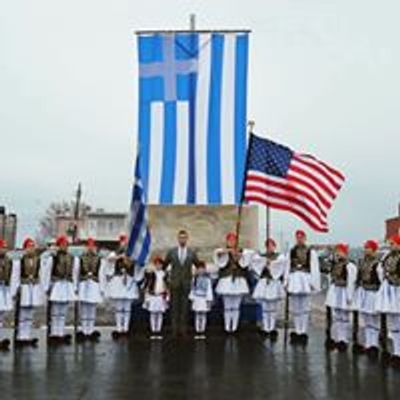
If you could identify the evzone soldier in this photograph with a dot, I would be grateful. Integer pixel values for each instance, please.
(365, 297)
(60, 285)
(388, 297)
(122, 288)
(91, 285)
(201, 295)
(6, 303)
(339, 297)
(156, 296)
(232, 283)
(302, 280)
(270, 268)
(28, 273)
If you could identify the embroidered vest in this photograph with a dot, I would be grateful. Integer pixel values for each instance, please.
(339, 272)
(124, 266)
(300, 259)
(63, 264)
(266, 273)
(391, 268)
(30, 266)
(5, 270)
(90, 267)
(367, 273)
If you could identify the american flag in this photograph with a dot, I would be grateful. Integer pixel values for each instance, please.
(280, 178)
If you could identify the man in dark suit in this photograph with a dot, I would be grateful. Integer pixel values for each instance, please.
(181, 260)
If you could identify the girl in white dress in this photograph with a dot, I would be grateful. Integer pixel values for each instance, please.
(201, 296)
(156, 296)
(270, 268)
(122, 288)
(232, 282)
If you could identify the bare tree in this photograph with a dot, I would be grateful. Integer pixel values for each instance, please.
(48, 225)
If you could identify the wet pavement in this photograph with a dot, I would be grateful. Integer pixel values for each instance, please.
(242, 367)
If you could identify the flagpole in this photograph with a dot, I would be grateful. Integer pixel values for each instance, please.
(240, 208)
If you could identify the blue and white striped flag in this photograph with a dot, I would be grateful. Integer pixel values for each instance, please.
(139, 232)
(192, 116)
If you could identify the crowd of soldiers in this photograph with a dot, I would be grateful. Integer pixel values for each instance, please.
(364, 295)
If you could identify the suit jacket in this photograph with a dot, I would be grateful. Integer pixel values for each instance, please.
(180, 274)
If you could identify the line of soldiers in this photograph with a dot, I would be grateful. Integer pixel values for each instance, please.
(370, 290)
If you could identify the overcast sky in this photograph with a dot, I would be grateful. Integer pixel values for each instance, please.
(324, 78)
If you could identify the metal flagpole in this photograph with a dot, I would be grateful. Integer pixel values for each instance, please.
(240, 208)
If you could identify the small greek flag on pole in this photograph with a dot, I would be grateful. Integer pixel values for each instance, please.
(192, 115)
(139, 232)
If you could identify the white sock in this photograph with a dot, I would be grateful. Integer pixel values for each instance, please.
(159, 322)
(153, 322)
(203, 324)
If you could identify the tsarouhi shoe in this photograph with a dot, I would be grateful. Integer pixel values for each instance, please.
(330, 344)
(67, 339)
(80, 337)
(342, 346)
(5, 345)
(303, 339)
(294, 337)
(94, 336)
(116, 335)
(274, 335)
(358, 348)
(372, 352)
(395, 362)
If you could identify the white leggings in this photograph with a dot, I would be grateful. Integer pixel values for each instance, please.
(371, 324)
(58, 317)
(87, 313)
(156, 321)
(122, 309)
(300, 310)
(269, 312)
(200, 321)
(340, 329)
(231, 311)
(25, 323)
(393, 325)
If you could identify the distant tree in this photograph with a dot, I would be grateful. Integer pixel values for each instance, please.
(47, 225)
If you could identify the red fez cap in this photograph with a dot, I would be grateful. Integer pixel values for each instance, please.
(91, 242)
(3, 244)
(123, 238)
(371, 244)
(395, 239)
(231, 236)
(300, 234)
(343, 248)
(28, 242)
(157, 260)
(62, 241)
(270, 242)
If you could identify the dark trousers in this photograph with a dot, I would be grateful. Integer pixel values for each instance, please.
(179, 309)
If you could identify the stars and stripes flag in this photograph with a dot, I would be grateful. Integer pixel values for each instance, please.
(192, 116)
(281, 178)
(139, 232)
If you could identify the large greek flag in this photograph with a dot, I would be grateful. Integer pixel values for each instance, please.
(192, 116)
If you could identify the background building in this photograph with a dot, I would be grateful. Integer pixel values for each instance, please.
(393, 225)
(8, 227)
